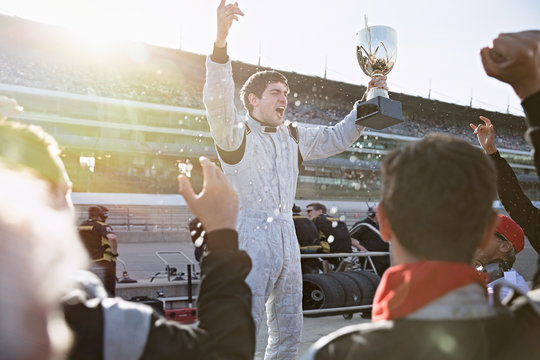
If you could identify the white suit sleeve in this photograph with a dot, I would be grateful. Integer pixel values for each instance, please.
(325, 141)
(218, 97)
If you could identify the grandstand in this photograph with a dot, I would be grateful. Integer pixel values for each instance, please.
(129, 114)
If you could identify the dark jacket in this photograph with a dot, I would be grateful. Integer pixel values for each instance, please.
(226, 329)
(93, 234)
(531, 221)
(513, 199)
(306, 231)
(372, 242)
(330, 226)
(509, 335)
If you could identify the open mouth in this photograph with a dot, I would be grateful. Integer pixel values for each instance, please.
(280, 110)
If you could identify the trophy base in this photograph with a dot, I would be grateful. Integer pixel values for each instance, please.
(379, 113)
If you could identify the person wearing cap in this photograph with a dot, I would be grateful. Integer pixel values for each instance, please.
(513, 59)
(102, 246)
(513, 199)
(501, 252)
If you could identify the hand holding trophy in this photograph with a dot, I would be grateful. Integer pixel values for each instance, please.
(376, 51)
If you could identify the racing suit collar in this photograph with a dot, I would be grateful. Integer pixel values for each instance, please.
(262, 128)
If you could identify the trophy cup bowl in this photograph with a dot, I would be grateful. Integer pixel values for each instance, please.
(376, 51)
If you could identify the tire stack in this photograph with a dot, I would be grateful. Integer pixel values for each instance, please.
(338, 289)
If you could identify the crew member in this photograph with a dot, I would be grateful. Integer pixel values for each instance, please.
(102, 246)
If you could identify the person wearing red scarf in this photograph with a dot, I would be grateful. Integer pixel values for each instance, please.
(436, 210)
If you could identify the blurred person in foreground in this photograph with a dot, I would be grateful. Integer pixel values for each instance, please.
(112, 328)
(432, 304)
(498, 257)
(35, 268)
(459, 324)
(261, 154)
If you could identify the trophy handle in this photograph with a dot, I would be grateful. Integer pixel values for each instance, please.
(361, 48)
(385, 51)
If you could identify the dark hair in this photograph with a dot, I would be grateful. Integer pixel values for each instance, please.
(437, 194)
(296, 209)
(98, 211)
(318, 206)
(257, 83)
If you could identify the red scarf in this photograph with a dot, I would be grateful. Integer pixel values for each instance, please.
(406, 288)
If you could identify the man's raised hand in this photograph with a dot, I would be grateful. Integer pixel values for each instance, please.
(486, 135)
(226, 13)
(514, 58)
(217, 204)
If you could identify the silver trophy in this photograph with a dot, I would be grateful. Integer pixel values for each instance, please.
(376, 51)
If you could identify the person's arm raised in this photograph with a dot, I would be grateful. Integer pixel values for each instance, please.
(486, 135)
(226, 13)
(514, 58)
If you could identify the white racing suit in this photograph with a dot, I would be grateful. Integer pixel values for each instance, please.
(264, 170)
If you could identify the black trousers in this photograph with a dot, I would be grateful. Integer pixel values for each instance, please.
(106, 271)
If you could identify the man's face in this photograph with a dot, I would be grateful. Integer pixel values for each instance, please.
(312, 213)
(270, 108)
(494, 250)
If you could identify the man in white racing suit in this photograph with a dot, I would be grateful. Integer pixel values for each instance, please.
(261, 157)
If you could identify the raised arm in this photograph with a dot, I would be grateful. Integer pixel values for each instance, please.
(512, 197)
(515, 59)
(324, 141)
(224, 301)
(218, 95)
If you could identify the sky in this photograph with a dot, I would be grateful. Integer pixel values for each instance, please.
(438, 41)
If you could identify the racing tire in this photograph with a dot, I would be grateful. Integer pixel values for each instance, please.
(321, 292)
(353, 294)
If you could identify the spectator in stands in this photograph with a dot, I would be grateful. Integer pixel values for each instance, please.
(498, 257)
(432, 303)
(262, 155)
(331, 230)
(513, 199)
(308, 240)
(102, 246)
(366, 233)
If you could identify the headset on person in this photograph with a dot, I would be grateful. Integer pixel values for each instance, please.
(99, 211)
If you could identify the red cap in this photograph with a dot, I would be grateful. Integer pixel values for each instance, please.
(512, 231)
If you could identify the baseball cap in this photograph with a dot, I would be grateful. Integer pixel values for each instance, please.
(512, 232)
